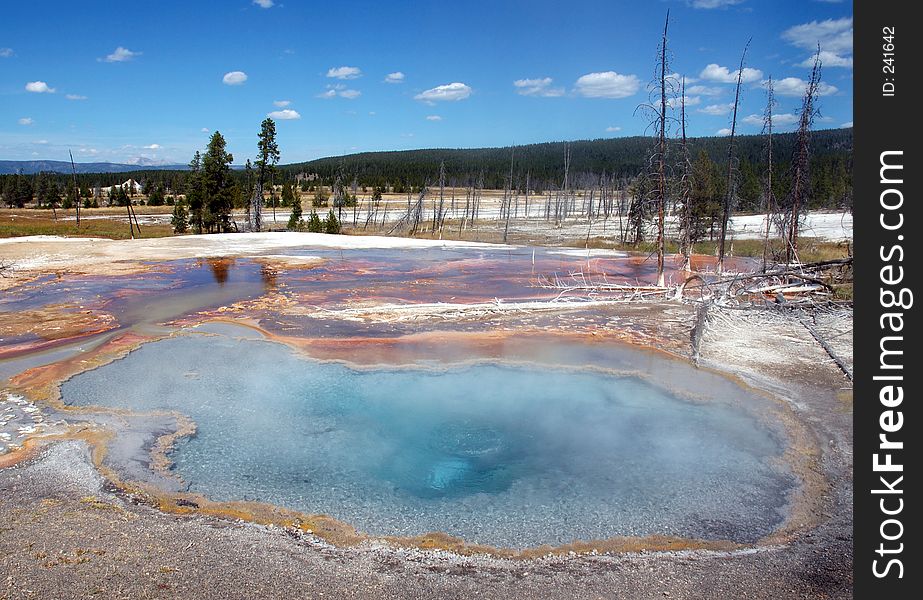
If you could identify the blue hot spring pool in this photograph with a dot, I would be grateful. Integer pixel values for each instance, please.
(508, 456)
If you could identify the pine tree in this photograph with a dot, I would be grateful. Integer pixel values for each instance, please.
(216, 183)
(267, 157)
(295, 222)
(179, 220)
(331, 223)
(314, 223)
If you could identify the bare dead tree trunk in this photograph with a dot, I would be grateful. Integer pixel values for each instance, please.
(802, 159)
(662, 154)
(74, 173)
(685, 191)
(731, 180)
(508, 196)
(767, 127)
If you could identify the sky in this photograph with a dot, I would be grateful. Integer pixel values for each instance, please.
(128, 81)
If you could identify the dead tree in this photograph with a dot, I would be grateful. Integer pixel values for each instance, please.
(657, 163)
(730, 191)
(662, 153)
(801, 162)
(685, 188)
(770, 200)
(76, 204)
(508, 194)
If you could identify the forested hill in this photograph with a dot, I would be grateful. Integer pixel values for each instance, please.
(619, 157)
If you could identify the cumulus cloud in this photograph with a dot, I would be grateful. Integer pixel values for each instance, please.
(537, 87)
(796, 87)
(39, 87)
(205, 130)
(433, 118)
(448, 92)
(835, 37)
(340, 90)
(709, 4)
(120, 54)
(25, 121)
(264, 3)
(781, 120)
(152, 147)
(717, 110)
(344, 72)
(75, 97)
(847, 124)
(704, 90)
(724, 131)
(6, 52)
(677, 102)
(286, 114)
(281, 103)
(234, 78)
(613, 129)
(828, 59)
(720, 74)
(396, 77)
(608, 84)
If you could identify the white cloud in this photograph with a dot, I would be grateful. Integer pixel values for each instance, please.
(708, 4)
(205, 130)
(344, 72)
(286, 114)
(331, 93)
(152, 147)
(724, 131)
(717, 110)
(433, 118)
(281, 103)
(704, 90)
(25, 121)
(234, 78)
(847, 124)
(6, 52)
(795, 87)
(349, 94)
(40, 142)
(120, 54)
(264, 3)
(39, 87)
(448, 92)
(828, 59)
(396, 77)
(720, 74)
(75, 97)
(537, 87)
(780, 120)
(608, 84)
(835, 37)
(613, 129)
(677, 102)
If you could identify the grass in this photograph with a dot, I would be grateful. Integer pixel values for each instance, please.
(17, 223)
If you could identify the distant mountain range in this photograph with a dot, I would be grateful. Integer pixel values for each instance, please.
(30, 167)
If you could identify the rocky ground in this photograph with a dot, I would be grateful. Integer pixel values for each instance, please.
(65, 532)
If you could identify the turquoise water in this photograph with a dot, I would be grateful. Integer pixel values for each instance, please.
(507, 456)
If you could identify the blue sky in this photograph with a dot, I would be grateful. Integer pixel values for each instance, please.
(115, 81)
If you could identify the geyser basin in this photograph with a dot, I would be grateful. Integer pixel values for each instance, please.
(507, 456)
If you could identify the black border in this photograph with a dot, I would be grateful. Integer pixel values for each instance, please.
(883, 123)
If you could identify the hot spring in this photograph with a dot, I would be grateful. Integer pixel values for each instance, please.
(504, 455)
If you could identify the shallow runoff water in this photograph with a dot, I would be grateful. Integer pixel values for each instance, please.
(511, 456)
